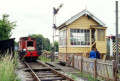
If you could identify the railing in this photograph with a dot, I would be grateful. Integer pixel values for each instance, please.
(89, 49)
(96, 67)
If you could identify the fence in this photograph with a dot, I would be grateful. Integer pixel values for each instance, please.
(96, 67)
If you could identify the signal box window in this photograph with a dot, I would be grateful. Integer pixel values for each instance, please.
(101, 35)
(29, 44)
(80, 37)
(63, 38)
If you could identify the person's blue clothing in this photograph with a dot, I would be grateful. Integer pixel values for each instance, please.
(97, 55)
(92, 54)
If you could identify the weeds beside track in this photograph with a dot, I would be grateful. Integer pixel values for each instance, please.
(8, 68)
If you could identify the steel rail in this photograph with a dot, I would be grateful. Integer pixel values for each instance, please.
(33, 73)
(56, 72)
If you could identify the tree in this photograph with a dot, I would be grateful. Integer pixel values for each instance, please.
(6, 27)
(56, 44)
(16, 43)
(47, 42)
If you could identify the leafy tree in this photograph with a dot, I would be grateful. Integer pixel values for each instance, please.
(56, 44)
(6, 27)
(47, 42)
(16, 43)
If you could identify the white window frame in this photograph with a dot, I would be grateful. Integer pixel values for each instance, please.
(80, 45)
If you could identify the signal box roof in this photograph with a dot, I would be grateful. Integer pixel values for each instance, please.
(84, 12)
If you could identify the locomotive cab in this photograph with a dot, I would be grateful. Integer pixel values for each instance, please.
(27, 48)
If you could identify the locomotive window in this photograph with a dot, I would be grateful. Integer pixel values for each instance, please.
(29, 44)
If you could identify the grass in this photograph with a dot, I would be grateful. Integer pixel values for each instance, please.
(46, 59)
(77, 76)
(90, 78)
(8, 68)
(83, 75)
(72, 76)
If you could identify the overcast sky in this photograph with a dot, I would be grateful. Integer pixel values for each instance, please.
(36, 16)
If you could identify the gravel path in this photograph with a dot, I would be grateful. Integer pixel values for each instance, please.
(20, 71)
(69, 71)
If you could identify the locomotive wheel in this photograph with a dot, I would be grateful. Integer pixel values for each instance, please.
(20, 56)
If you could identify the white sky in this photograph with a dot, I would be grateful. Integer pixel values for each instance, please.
(36, 17)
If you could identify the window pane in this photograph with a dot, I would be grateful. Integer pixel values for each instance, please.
(78, 31)
(88, 31)
(74, 30)
(71, 30)
(62, 38)
(101, 35)
(30, 44)
(81, 30)
(78, 42)
(61, 34)
(88, 43)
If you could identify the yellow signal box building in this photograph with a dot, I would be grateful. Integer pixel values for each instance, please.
(80, 34)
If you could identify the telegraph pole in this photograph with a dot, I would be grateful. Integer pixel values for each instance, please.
(117, 54)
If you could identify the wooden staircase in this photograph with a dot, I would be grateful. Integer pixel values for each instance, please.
(88, 49)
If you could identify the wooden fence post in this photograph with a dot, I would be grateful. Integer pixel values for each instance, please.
(114, 67)
(73, 61)
(67, 62)
(81, 64)
(95, 68)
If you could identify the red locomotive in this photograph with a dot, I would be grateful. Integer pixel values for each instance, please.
(27, 48)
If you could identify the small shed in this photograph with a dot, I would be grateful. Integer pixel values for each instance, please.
(7, 46)
(80, 34)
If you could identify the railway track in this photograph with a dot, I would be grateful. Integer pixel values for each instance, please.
(42, 72)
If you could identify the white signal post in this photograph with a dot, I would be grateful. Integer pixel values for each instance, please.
(55, 11)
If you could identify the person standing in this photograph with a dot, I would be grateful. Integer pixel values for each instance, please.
(97, 54)
(92, 54)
